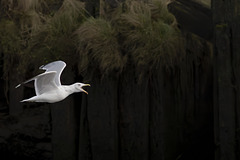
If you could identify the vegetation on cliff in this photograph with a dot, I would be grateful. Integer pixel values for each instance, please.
(36, 32)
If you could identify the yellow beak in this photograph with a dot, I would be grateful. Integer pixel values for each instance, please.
(84, 86)
(85, 91)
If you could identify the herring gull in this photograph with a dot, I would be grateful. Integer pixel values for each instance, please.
(48, 86)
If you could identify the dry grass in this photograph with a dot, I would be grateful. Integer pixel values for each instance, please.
(67, 18)
(54, 40)
(149, 34)
(137, 32)
(98, 46)
(27, 5)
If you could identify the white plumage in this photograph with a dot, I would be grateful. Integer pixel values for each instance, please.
(48, 86)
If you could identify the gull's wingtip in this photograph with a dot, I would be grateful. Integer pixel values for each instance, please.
(18, 86)
(42, 67)
(22, 101)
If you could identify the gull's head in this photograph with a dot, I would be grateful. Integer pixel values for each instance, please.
(78, 87)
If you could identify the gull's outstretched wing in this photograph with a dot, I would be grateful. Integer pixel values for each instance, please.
(57, 66)
(43, 82)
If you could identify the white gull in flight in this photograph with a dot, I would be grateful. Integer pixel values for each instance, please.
(48, 86)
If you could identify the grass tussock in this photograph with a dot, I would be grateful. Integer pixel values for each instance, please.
(54, 40)
(137, 32)
(27, 5)
(149, 33)
(68, 17)
(98, 46)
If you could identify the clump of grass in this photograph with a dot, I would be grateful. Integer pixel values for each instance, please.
(149, 34)
(67, 18)
(159, 11)
(54, 40)
(137, 32)
(27, 17)
(26, 5)
(98, 46)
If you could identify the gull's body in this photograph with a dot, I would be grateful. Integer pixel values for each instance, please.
(48, 86)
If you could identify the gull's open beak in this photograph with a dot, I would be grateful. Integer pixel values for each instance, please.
(85, 86)
(85, 91)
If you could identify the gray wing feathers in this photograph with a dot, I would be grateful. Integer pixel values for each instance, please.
(49, 79)
(45, 82)
(27, 81)
(57, 66)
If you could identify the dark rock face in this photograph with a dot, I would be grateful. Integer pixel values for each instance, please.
(226, 16)
(193, 17)
(167, 116)
(27, 136)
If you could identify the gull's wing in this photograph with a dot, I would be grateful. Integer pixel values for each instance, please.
(43, 82)
(57, 66)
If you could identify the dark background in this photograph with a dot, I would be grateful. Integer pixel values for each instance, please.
(188, 111)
